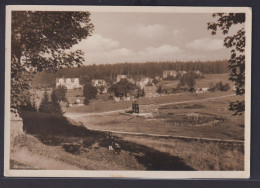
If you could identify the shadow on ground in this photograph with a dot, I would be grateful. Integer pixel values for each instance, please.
(56, 130)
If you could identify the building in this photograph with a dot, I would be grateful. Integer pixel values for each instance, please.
(202, 90)
(167, 73)
(157, 78)
(150, 91)
(100, 85)
(121, 76)
(198, 73)
(69, 83)
(182, 73)
(144, 82)
(99, 82)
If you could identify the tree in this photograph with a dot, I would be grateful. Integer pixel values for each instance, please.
(89, 92)
(60, 93)
(40, 40)
(29, 105)
(52, 106)
(44, 103)
(236, 43)
(188, 81)
(122, 88)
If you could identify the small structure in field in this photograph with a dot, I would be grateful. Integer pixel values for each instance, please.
(135, 107)
(69, 83)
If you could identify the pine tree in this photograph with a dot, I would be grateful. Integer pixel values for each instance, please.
(44, 104)
(55, 106)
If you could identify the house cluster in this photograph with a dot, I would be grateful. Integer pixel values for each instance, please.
(69, 83)
(145, 83)
(175, 74)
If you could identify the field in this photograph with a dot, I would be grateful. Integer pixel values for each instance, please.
(172, 119)
(208, 81)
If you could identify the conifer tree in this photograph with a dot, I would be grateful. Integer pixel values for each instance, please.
(44, 103)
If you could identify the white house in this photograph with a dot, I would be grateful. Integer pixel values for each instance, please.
(69, 83)
(98, 83)
(121, 76)
(150, 91)
(168, 73)
(182, 73)
(202, 90)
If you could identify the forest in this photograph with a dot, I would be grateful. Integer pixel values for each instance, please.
(109, 72)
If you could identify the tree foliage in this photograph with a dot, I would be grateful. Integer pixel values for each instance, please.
(123, 87)
(188, 81)
(60, 93)
(40, 41)
(50, 106)
(236, 43)
(220, 87)
(89, 92)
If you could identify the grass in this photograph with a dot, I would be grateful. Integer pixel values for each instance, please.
(212, 79)
(230, 128)
(47, 134)
(200, 155)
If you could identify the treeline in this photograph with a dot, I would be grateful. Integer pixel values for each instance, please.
(109, 72)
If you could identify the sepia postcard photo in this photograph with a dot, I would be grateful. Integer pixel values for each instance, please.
(127, 92)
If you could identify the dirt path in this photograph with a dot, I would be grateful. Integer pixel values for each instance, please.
(76, 115)
(37, 161)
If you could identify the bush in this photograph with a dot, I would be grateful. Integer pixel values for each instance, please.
(220, 87)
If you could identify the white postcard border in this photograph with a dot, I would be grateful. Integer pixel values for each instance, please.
(128, 174)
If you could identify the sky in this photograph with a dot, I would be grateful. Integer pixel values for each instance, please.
(140, 37)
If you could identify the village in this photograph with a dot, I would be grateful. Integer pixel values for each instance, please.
(162, 85)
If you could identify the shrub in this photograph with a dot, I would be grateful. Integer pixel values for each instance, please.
(220, 87)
